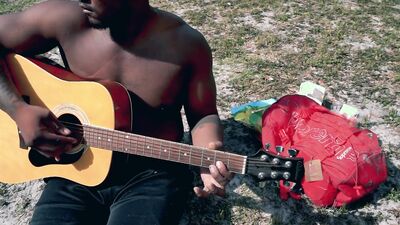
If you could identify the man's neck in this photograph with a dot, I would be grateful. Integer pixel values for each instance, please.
(132, 24)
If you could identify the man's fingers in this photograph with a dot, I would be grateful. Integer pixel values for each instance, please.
(205, 192)
(56, 139)
(223, 170)
(201, 193)
(55, 125)
(219, 180)
(220, 173)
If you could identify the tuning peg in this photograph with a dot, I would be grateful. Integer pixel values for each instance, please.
(276, 161)
(267, 146)
(264, 158)
(274, 174)
(286, 175)
(288, 164)
(293, 152)
(261, 175)
(279, 149)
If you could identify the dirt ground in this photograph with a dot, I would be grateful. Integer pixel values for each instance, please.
(265, 49)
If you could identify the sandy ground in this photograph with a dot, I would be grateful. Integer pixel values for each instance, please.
(246, 201)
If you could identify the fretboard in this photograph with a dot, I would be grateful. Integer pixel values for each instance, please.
(119, 141)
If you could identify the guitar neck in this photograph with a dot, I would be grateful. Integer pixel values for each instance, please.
(161, 149)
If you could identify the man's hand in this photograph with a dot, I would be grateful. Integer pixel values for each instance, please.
(39, 128)
(214, 178)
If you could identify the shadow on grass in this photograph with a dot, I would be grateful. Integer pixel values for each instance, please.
(264, 201)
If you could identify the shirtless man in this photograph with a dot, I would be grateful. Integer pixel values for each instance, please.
(162, 61)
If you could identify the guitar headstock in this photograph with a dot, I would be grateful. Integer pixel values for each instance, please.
(266, 166)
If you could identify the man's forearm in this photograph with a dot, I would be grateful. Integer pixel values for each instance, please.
(207, 130)
(9, 98)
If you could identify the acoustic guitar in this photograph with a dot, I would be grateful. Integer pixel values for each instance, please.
(100, 114)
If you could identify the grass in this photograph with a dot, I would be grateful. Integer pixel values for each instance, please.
(326, 34)
(266, 48)
(14, 6)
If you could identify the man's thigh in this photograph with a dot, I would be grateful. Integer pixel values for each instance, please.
(157, 197)
(66, 203)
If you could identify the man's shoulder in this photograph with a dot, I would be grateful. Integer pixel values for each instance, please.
(58, 14)
(196, 45)
(182, 30)
(188, 39)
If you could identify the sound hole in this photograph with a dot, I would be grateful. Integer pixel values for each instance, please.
(75, 126)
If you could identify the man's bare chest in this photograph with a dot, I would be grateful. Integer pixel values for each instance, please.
(147, 72)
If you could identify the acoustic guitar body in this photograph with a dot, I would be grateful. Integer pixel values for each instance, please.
(103, 104)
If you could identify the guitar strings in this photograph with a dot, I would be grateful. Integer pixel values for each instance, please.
(256, 163)
(193, 154)
(78, 127)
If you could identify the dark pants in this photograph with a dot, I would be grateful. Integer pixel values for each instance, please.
(139, 191)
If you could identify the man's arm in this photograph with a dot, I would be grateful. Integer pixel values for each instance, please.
(203, 119)
(31, 32)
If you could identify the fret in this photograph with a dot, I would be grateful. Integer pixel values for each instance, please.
(103, 139)
(136, 145)
(151, 149)
(209, 157)
(99, 140)
(174, 152)
(154, 149)
(163, 152)
(195, 156)
(94, 138)
(147, 147)
(160, 150)
(126, 143)
(229, 161)
(184, 154)
(117, 141)
(139, 144)
(87, 136)
(190, 155)
(122, 140)
(168, 150)
(179, 153)
(220, 156)
(143, 147)
(201, 156)
(109, 141)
